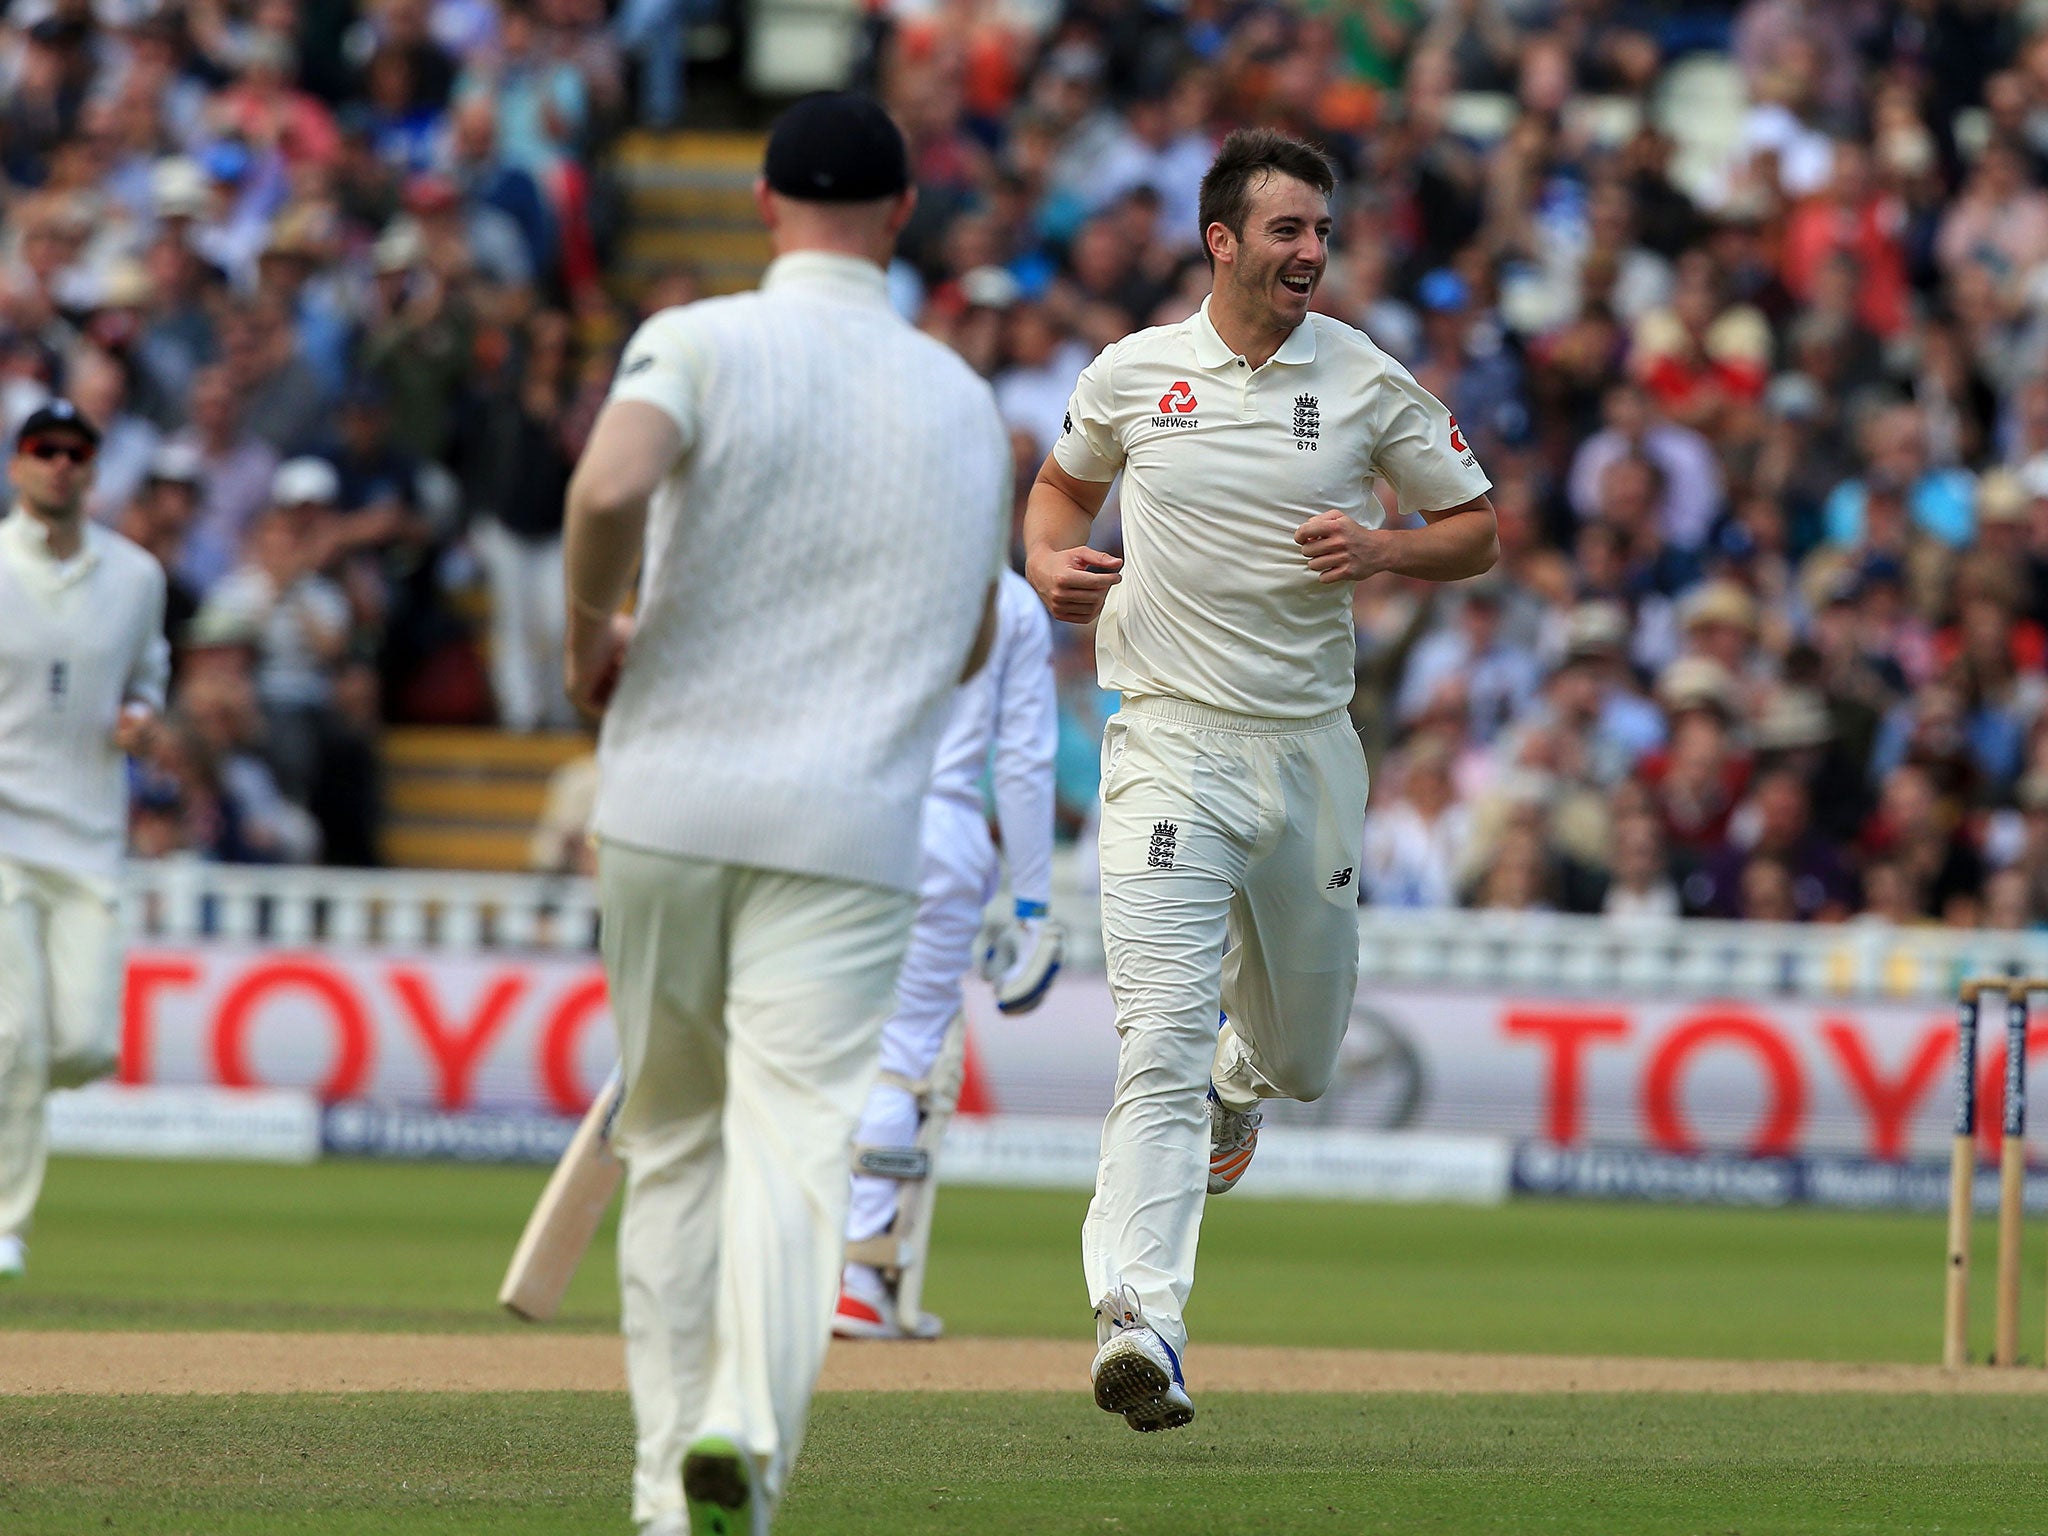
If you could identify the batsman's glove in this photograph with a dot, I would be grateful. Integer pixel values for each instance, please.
(1023, 957)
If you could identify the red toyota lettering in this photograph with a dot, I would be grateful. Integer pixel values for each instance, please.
(1779, 1130)
(147, 975)
(456, 1051)
(579, 1005)
(1567, 1033)
(354, 1045)
(1889, 1101)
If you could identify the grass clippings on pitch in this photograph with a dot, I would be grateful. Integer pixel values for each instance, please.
(556, 1465)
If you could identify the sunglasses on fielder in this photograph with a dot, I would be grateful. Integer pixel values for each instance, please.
(48, 449)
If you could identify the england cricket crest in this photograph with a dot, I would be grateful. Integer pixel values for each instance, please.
(1308, 423)
(1165, 837)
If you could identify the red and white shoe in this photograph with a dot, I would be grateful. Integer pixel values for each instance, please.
(866, 1309)
(1233, 1138)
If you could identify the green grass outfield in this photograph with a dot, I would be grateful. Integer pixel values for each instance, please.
(556, 1465)
(398, 1246)
(390, 1247)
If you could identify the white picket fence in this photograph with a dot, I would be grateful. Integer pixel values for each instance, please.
(186, 901)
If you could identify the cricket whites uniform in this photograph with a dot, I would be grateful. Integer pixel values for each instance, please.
(81, 639)
(1233, 785)
(1010, 708)
(813, 575)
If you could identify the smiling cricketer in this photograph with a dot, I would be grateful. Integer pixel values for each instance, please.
(1249, 438)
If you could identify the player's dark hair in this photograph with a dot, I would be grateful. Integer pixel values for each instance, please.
(1247, 158)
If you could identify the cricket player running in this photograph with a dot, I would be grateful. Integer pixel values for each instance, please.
(1010, 706)
(1233, 786)
(818, 498)
(83, 664)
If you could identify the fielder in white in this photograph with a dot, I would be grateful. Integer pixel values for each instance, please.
(818, 497)
(1249, 438)
(83, 664)
(1009, 709)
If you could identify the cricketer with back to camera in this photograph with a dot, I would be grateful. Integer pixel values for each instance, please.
(1249, 438)
(764, 754)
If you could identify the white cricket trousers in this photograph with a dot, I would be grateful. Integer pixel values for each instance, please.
(1230, 853)
(749, 1003)
(61, 976)
(956, 878)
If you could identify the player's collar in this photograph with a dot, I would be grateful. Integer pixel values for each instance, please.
(1212, 351)
(849, 277)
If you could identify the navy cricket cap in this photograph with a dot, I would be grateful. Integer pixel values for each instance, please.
(836, 147)
(57, 416)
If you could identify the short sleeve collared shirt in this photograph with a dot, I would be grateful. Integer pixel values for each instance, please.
(1221, 463)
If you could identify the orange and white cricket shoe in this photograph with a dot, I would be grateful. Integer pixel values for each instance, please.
(1233, 1138)
(866, 1310)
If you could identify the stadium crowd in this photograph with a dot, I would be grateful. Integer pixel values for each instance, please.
(1745, 313)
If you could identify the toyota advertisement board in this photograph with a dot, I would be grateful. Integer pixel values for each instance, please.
(519, 1033)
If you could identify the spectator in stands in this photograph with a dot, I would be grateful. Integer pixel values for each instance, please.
(1640, 886)
(299, 618)
(525, 455)
(237, 468)
(1416, 831)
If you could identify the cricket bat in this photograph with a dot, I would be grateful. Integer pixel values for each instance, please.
(567, 1215)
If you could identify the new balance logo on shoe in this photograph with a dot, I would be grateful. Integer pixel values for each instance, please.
(1165, 836)
(1339, 880)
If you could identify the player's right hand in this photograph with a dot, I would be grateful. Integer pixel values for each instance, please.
(1073, 583)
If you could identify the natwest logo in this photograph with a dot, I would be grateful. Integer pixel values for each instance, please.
(1458, 444)
(1177, 401)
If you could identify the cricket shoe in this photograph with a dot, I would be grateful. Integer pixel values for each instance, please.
(1233, 1138)
(13, 1257)
(718, 1488)
(1136, 1372)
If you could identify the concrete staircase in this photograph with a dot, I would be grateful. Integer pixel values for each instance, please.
(690, 202)
(459, 798)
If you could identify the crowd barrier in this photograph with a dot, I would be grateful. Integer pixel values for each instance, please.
(460, 1015)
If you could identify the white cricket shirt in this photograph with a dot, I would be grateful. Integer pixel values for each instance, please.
(814, 572)
(79, 638)
(1221, 463)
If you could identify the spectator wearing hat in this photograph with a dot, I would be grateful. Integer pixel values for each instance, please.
(1592, 696)
(83, 666)
(299, 617)
(1465, 363)
(315, 304)
(1718, 620)
(1696, 780)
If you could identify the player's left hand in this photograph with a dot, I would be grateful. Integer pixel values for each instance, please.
(595, 657)
(1342, 549)
(135, 730)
